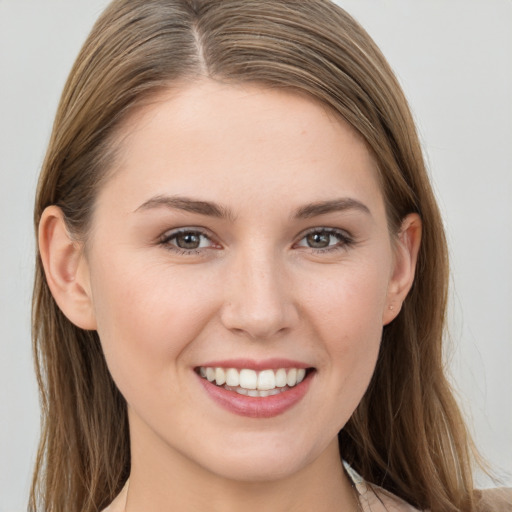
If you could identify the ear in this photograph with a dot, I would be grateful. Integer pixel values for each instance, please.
(66, 269)
(407, 246)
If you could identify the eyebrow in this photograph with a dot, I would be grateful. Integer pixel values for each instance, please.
(213, 209)
(335, 205)
(187, 204)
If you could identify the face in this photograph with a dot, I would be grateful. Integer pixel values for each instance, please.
(242, 236)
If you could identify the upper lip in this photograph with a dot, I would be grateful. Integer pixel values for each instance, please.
(264, 364)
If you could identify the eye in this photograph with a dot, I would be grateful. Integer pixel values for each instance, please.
(322, 239)
(186, 240)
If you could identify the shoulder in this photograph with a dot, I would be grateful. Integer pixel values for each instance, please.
(377, 499)
(489, 500)
(495, 500)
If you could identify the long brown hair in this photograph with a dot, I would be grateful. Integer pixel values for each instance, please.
(407, 434)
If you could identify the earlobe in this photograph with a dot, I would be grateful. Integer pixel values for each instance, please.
(407, 247)
(65, 269)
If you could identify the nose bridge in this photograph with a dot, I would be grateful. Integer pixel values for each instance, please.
(257, 295)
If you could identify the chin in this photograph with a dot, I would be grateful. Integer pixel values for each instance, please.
(258, 469)
(261, 460)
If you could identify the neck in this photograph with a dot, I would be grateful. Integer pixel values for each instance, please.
(170, 482)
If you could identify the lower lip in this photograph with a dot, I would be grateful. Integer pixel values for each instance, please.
(257, 407)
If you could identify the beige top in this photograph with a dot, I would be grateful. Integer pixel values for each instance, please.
(376, 499)
(495, 500)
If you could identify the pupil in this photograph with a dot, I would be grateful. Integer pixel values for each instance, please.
(188, 241)
(318, 240)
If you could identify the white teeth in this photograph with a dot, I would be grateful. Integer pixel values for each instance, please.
(248, 379)
(220, 376)
(256, 392)
(232, 377)
(280, 378)
(253, 383)
(266, 380)
(291, 377)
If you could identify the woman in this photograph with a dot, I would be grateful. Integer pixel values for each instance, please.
(242, 272)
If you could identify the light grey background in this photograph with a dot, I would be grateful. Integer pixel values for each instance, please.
(454, 60)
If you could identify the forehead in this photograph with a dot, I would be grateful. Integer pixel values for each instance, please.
(210, 137)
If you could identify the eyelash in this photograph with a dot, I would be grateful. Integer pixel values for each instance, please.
(344, 241)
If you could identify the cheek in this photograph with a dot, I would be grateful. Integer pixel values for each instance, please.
(346, 313)
(147, 315)
(349, 304)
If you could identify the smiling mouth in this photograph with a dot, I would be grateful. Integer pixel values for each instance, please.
(254, 383)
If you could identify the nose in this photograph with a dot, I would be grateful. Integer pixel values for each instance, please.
(258, 297)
